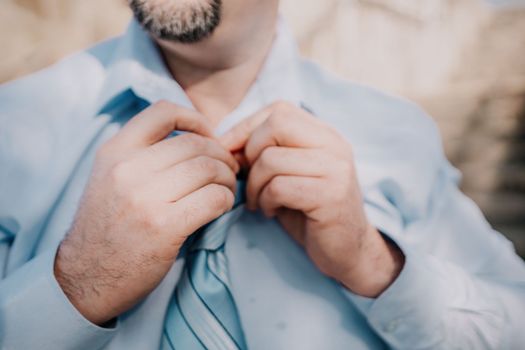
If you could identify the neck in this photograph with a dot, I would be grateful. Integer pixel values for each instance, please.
(217, 73)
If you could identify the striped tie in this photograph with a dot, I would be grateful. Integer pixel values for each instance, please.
(202, 313)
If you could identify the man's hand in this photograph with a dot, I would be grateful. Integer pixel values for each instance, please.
(302, 172)
(146, 195)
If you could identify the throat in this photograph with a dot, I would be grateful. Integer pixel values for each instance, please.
(220, 93)
(216, 93)
(215, 84)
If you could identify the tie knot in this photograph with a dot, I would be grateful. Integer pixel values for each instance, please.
(213, 235)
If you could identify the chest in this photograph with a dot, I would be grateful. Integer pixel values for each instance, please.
(283, 300)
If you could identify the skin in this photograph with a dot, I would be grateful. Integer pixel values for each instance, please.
(145, 193)
(302, 173)
(143, 200)
(217, 83)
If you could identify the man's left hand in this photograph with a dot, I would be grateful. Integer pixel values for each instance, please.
(301, 171)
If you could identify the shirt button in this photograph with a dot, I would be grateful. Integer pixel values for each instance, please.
(391, 326)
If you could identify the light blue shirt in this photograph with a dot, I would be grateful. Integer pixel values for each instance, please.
(462, 285)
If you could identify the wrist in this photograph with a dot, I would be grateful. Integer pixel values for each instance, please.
(380, 262)
(68, 275)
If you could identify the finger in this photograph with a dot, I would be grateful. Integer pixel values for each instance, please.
(174, 150)
(199, 208)
(290, 127)
(184, 178)
(275, 161)
(235, 138)
(158, 121)
(292, 192)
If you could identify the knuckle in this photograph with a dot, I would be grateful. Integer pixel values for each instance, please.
(222, 197)
(152, 152)
(120, 173)
(209, 166)
(274, 121)
(134, 201)
(282, 106)
(189, 214)
(157, 220)
(194, 141)
(275, 187)
(267, 156)
(154, 220)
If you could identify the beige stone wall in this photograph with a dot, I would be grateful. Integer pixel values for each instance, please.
(462, 60)
(36, 33)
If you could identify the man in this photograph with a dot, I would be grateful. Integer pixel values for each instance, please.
(194, 184)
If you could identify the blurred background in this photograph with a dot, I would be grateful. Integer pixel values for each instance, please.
(462, 60)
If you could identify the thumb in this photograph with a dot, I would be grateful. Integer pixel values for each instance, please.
(235, 138)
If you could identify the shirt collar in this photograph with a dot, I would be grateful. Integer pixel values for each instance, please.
(137, 65)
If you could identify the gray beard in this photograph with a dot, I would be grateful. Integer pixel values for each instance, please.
(185, 25)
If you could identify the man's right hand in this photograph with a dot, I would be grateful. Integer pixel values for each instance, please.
(146, 195)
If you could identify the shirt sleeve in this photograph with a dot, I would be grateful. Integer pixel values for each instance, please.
(34, 311)
(36, 314)
(462, 285)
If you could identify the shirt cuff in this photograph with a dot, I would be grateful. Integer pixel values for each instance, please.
(36, 314)
(410, 312)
